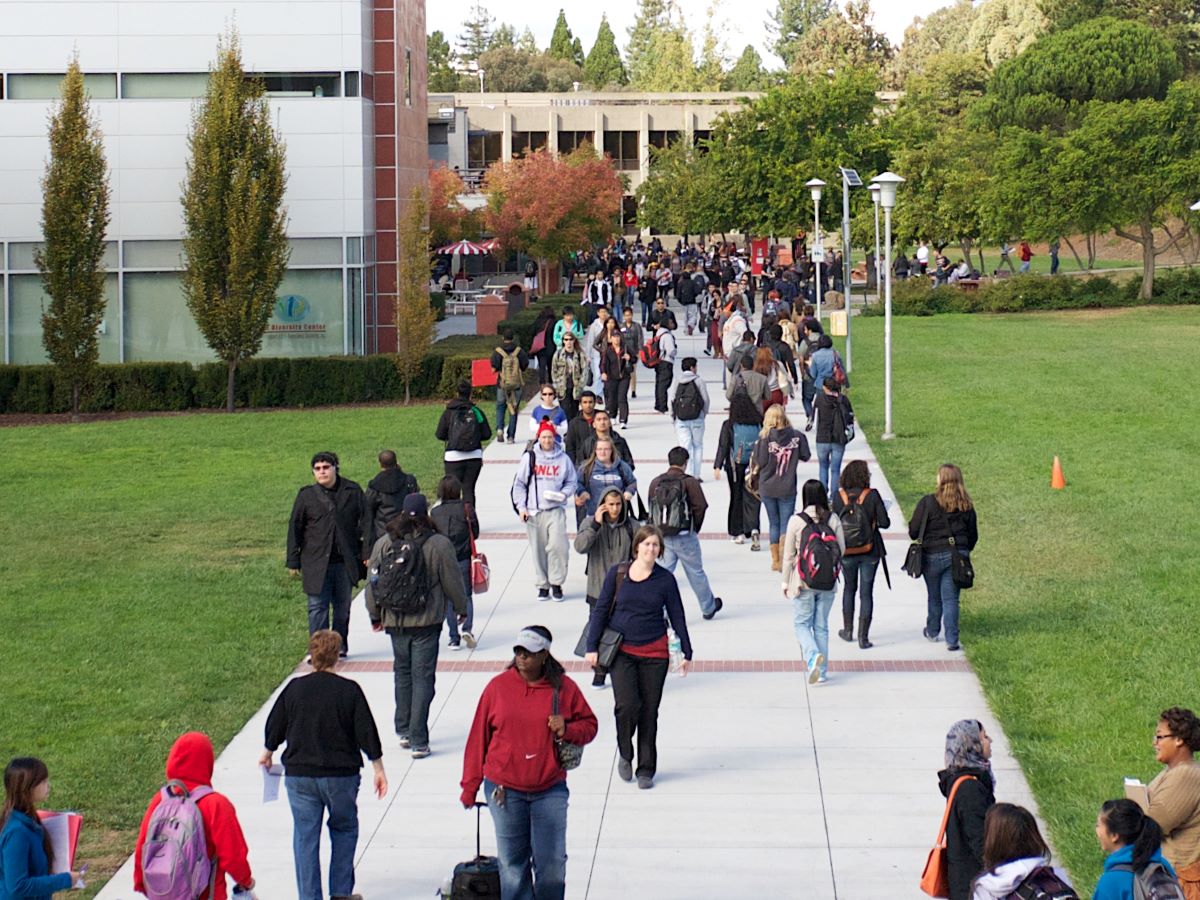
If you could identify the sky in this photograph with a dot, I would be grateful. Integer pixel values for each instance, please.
(744, 19)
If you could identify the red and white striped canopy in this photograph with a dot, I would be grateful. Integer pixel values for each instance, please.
(465, 248)
(491, 245)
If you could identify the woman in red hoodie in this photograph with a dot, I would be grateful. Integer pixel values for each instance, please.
(510, 750)
(191, 761)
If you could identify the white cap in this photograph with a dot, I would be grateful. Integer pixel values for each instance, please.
(531, 641)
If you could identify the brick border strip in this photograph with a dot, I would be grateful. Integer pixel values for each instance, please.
(706, 665)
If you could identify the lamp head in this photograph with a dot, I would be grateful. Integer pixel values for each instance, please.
(815, 186)
(888, 182)
(874, 189)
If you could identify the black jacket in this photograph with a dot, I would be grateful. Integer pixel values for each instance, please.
(942, 525)
(964, 828)
(831, 417)
(327, 725)
(685, 290)
(458, 522)
(454, 408)
(579, 430)
(319, 517)
(385, 500)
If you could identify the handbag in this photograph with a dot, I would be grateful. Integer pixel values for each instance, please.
(962, 573)
(539, 343)
(481, 572)
(569, 755)
(610, 638)
(935, 879)
(914, 560)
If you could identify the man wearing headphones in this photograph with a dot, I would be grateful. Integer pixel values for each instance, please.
(324, 545)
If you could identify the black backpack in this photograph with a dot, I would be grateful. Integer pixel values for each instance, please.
(402, 587)
(857, 527)
(1043, 884)
(463, 433)
(669, 507)
(1154, 882)
(688, 404)
(819, 561)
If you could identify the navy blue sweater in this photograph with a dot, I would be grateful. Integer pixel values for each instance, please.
(638, 614)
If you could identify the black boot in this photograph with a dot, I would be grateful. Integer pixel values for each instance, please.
(864, 634)
(846, 633)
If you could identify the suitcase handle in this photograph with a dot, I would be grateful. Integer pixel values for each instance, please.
(479, 807)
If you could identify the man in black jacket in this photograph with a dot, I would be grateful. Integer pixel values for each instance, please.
(464, 428)
(324, 545)
(579, 429)
(385, 497)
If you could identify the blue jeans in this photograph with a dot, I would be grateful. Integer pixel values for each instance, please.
(829, 459)
(943, 596)
(414, 666)
(310, 799)
(464, 566)
(779, 510)
(531, 840)
(502, 409)
(685, 548)
(691, 439)
(335, 593)
(858, 574)
(647, 306)
(810, 618)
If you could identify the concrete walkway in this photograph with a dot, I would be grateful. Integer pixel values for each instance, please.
(767, 787)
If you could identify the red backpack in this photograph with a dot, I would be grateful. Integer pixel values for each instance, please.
(650, 355)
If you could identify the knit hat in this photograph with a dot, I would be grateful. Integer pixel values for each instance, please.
(416, 505)
(547, 425)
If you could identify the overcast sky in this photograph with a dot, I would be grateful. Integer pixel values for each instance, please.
(743, 20)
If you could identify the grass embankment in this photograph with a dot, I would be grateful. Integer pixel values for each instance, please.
(145, 590)
(1080, 626)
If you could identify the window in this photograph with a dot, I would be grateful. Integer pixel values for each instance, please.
(528, 141)
(48, 87)
(629, 213)
(300, 84)
(483, 149)
(158, 255)
(569, 141)
(25, 320)
(699, 137)
(309, 317)
(663, 139)
(20, 256)
(439, 133)
(315, 251)
(163, 85)
(622, 146)
(352, 84)
(408, 78)
(158, 325)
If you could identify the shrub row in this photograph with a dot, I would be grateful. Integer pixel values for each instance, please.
(1021, 293)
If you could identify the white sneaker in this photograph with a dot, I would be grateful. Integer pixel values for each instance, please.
(738, 539)
(814, 668)
(469, 640)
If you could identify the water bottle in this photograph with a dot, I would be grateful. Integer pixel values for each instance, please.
(674, 650)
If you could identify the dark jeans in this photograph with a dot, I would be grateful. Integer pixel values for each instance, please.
(545, 360)
(464, 566)
(637, 684)
(569, 404)
(467, 471)
(808, 393)
(942, 595)
(310, 799)
(743, 505)
(616, 399)
(647, 306)
(335, 594)
(502, 398)
(664, 374)
(858, 574)
(415, 652)
(531, 841)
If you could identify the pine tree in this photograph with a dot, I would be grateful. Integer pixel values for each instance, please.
(74, 218)
(416, 321)
(577, 56)
(442, 77)
(603, 65)
(504, 36)
(711, 71)
(476, 35)
(562, 43)
(792, 19)
(235, 241)
(747, 73)
(652, 16)
(527, 43)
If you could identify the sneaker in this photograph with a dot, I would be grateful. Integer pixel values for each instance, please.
(953, 646)
(543, 593)
(469, 640)
(717, 609)
(633, 395)
(754, 544)
(645, 782)
(421, 752)
(824, 679)
(345, 654)
(808, 425)
(814, 668)
(625, 769)
(929, 637)
(599, 685)
(405, 743)
(346, 897)
(556, 592)
(499, 439)
(455, 645)
(738, 539)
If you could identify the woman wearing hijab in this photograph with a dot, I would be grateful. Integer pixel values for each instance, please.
(968, 755)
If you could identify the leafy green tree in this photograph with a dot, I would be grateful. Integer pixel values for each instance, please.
(652, 15)
(944, 90)
(442, 77)
(710, 73)
(747, 73)
(74, 218)
(842, 41)
(509, 70)
(669, 64)
(559, 74)
(527, 43)
(416, 321)
(577, 56)
(504, 36)
(235, 241)
(562, 43)
(942, 31)
(1002, 29)
(792, 20)
(682, 193)
(476, 35)
(603, 66)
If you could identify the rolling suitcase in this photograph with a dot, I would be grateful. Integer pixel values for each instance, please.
(478, 878)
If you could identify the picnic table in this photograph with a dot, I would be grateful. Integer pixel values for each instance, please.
(462, 300)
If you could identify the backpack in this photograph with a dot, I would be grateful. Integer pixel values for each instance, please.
(1043, 884)
(463, 433)
(669, 507)
(1152, 883)
(175, 863)
(857, 528)
(650, 354)
(820, 560)
(510, 370)
(744, 439)
(839, 371)
(688, 404)
(784, 379)
(402, 585)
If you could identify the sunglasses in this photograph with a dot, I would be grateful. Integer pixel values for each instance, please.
(320, 467)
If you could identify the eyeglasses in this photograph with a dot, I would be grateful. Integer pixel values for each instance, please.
(522, 652)
(1162, 737)
(547, 393)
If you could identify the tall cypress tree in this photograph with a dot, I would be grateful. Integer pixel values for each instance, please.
(235, 242)
(74, 218)
(562, 41)
(603, 65)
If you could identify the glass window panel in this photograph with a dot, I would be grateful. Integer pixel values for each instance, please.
(28, 302)
(354, 250)
(48, 87)
(158, 325)
(612, 144)
(352, 81)
(154, 254)
(309, 318)
(629, 145)
(315, 251)
(163, 85)
(20, 256)
(300, 84)
(356, 310)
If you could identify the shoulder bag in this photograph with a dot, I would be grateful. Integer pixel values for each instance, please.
(481, 572)
(914, 560)
(610, 638)
(962, 573)
(569, 755)
(935, 879)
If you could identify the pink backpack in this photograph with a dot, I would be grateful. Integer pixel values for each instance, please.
(175, 863)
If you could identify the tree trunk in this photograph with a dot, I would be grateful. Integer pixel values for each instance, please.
(75, 401)
(982, 266)
(1074, 252)
(1091, 251)
(407, 392)
(966, 246)
(1147, 261)
(229, 385)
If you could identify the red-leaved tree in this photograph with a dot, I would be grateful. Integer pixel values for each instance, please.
(548, 207)
(449, 220)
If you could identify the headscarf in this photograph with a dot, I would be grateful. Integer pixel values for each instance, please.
(964, 747)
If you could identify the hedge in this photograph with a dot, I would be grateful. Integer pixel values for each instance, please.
(915, 297)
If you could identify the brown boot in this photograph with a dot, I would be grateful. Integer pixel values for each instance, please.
(776, 559)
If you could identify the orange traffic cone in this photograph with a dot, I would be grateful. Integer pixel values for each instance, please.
(1056, 476)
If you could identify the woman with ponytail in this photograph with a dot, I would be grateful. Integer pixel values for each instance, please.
(26, 856)
(1132, 841)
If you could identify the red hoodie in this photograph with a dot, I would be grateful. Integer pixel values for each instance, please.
(191, 761)
(510, 743)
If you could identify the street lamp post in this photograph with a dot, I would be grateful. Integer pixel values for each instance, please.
(815, 186)
(874, 189)
(849, 179)
(888, 182)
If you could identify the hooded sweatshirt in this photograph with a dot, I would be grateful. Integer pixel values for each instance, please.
(687, 377)
(24, 868)
(606, 544)
(540, 472)
(1115, 884)
(191, 761)
(1001, 881)
(385, 500)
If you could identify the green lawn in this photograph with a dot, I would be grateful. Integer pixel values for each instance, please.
(145, 591)
(1075, 623)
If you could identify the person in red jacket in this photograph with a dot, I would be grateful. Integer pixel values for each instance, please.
(510, 750)
(191, 761)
